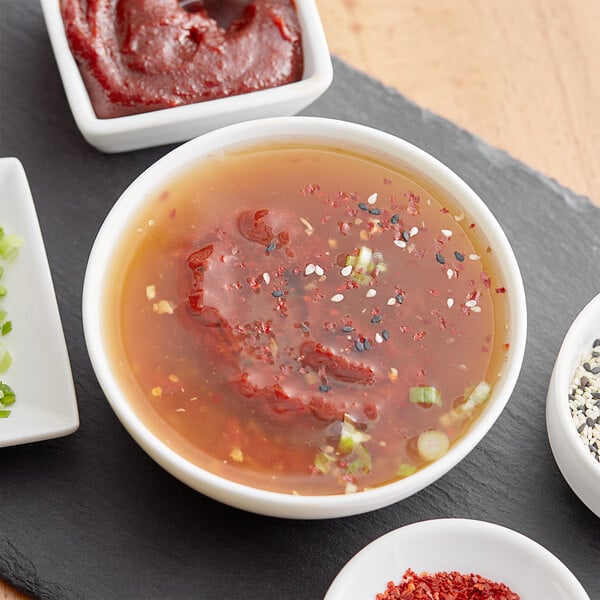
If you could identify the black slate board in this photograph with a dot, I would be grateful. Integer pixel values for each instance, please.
(91, 517)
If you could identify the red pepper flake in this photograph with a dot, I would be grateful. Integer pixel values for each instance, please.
(419, 335)
(447, 586)
(370, 411)
(387, 181)
(472, 226)
(501, 290)
(486, 280)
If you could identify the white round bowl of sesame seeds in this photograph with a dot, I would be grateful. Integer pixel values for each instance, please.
(573, 406)
(97, 320)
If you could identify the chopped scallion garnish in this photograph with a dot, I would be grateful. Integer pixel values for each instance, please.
(425, 395)
(4, 414)
(9, 247)
(405, 469)
(7, 396)
(5, 359)
(6, 327)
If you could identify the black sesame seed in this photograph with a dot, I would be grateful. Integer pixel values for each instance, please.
(595, 354)
(271, 247)
(584, 381)
(440, 258)
(277, 294)
(376, 319)
(405, 236)
(367, 345)
(385, 334)
(590, 422)
(394, 219)
(459, 256)
(596, 395)
(359, 345)
(347, 328)
(595, 371)
(375, 211)
(581, 427)
(399, 298)
(596, 343)
(587, 367)
(304, 327)
(363, 206)
(324, 388)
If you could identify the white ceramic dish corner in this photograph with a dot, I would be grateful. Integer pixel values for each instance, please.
(40, 374)
(578, 467)
(182, 123)
(463, 545)
(330, 133)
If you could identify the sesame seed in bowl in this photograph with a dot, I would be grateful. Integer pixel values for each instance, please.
(573, 406)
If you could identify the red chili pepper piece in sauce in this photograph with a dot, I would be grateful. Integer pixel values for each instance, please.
(316, 356)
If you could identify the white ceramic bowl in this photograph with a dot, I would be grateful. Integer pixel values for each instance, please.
(579, 468)
(497, 553)
(185, 122)
(330, 133)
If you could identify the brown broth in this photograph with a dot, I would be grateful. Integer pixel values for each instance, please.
(228, 373)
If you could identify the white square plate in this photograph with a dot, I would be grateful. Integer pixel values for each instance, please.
(40, 374)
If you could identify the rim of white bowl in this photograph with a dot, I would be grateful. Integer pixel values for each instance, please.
(316, 78)
(443, 527)
(352, 136)
(558, 394)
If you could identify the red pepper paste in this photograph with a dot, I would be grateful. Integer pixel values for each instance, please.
(141, 55)
(446, 586)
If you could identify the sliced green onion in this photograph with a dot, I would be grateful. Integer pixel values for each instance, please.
(432, 444)
(476, 397)
(323, 462)
(6, 327)
(3, 291)
(425, 395)
(7, 396)
(9, 246)
(3, 314)
(4, 414)
(350, 436)
(5, 359)
(405, 469)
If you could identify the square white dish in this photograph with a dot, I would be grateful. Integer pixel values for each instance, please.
(40, 374)
(182, 123)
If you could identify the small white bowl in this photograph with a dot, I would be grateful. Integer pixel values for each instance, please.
(181, 123)
(40, 374)
(577, 465)
(497, 553)
(333, 134)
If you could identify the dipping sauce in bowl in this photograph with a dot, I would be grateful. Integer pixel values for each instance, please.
(305, 317)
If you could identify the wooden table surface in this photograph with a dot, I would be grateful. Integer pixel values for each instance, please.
(521, 74)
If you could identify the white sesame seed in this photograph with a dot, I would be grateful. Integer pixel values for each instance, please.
(471, 303)
(266, 278)
(413, 231)
(337, 298)
(450, 273)
(378, 338)
(371, 292)
(391, 302)
(372, 198)
(450, 302)
(476, 309)
(310, 269)
(346, 270)
(400, 243)
(474, 256)
(319, 270)
(447, 233)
